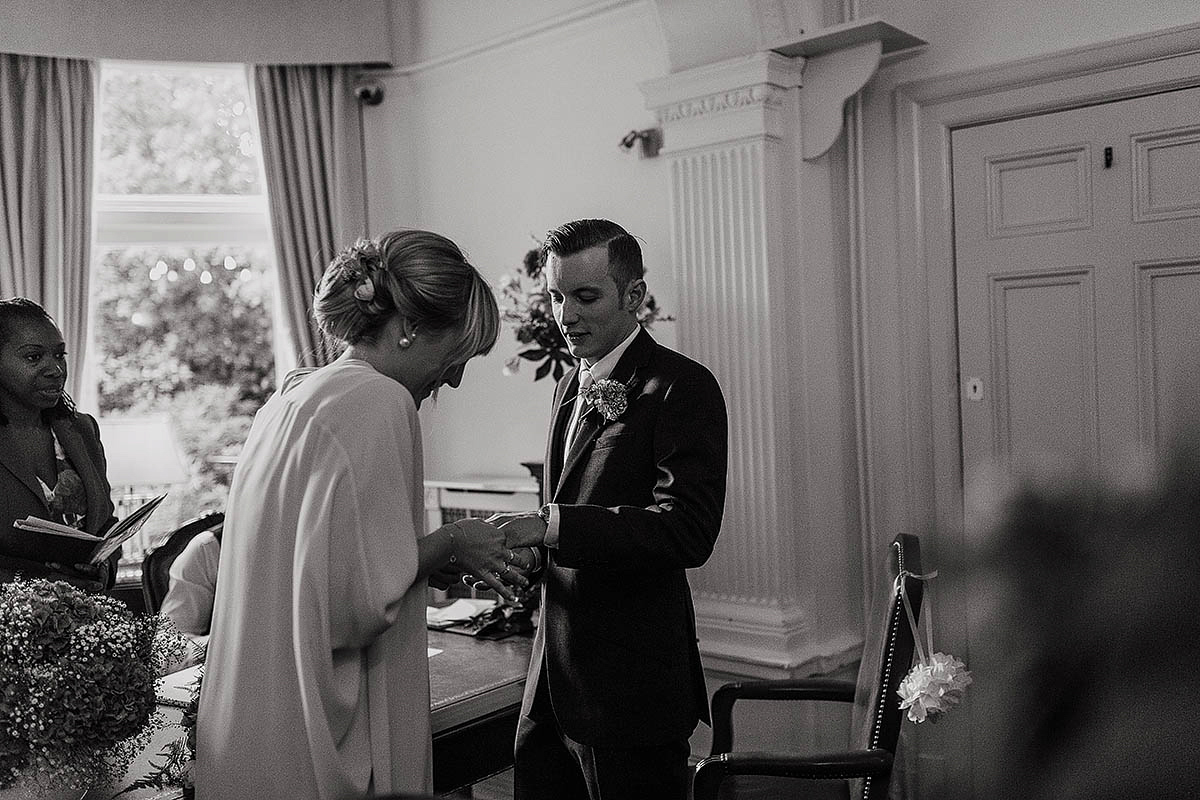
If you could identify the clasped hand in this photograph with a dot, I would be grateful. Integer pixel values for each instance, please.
(484, 559)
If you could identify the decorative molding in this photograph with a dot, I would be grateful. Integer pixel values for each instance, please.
(757, 69)
(1078, 62)
(521, 37)
(735, 98)
(769, 641)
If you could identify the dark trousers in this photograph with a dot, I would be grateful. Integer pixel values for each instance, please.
(552, 766)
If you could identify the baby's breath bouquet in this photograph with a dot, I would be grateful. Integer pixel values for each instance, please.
(77, 675)
(525, 306)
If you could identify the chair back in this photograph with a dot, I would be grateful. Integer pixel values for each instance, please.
(156, 566)
(887, 657)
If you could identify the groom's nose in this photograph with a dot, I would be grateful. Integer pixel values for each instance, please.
(568, 313)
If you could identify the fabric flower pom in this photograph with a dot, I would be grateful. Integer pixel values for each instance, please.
(608, 397)
(932, 688)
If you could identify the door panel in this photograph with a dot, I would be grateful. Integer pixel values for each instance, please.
(1077, 276)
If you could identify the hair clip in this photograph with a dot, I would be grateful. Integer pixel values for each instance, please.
(365, 291)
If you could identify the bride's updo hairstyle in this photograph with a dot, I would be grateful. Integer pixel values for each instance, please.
(421, 276)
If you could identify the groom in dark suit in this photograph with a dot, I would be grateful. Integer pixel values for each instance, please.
(634, 490)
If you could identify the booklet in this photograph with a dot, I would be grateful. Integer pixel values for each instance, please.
(72, 546)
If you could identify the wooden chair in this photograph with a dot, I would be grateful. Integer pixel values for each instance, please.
(862, 772)
(156, 566)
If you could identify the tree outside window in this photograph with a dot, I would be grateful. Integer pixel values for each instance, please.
(183, 280)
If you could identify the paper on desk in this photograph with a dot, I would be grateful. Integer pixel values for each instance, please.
(460, 610)
(175, 689)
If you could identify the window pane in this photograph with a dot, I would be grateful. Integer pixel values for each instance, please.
(175, 131)
(187, 332)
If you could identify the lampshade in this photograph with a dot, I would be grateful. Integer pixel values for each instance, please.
(141, 451)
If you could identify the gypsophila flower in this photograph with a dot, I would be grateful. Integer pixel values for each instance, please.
(607, 396)
(77, 676)
(932, 688)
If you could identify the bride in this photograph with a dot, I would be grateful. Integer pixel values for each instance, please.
(317, 682)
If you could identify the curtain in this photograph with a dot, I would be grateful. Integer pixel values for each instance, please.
(46, 110)
(311, 135)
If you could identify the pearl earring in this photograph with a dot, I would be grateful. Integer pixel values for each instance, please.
(405, 341)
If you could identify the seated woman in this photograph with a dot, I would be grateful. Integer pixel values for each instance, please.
(190, 592)
(51, 460)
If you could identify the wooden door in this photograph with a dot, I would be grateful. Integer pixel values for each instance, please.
(1077, 258)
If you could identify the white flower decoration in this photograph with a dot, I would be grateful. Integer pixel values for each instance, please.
(933, 687)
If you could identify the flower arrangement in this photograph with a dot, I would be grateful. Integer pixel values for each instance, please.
(525, 305)
(77, 675)
(607, 396)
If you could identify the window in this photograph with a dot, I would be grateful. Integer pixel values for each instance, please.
(183, 272)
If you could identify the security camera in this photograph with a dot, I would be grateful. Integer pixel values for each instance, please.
(369, 94)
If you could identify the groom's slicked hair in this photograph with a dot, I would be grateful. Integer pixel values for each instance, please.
(624, 252)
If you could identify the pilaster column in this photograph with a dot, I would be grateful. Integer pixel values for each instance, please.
(763, 293)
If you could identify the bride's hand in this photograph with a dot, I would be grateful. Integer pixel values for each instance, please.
(480, 550)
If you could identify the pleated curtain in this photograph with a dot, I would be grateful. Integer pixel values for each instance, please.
(311, 136)
(47, 106)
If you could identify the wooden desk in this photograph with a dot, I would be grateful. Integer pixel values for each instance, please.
(475, 689)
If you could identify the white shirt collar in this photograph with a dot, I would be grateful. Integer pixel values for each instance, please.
(604, 366)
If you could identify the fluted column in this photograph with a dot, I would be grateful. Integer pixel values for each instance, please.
(753, 243)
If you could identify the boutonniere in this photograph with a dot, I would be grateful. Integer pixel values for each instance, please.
(607, 396)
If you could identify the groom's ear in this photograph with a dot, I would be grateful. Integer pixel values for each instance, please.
(635, 293)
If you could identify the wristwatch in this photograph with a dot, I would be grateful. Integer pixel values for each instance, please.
(544, 513)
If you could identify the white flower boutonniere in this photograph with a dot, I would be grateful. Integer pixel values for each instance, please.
(607, 396)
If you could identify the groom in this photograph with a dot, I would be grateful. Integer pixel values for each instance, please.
(635, 489)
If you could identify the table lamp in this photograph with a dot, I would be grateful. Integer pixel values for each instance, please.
(143, 457)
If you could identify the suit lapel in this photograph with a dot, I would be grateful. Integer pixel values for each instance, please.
(591, 423)
(81, 461)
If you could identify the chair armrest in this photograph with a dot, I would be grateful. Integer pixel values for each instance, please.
(830, 766)
(788, 689)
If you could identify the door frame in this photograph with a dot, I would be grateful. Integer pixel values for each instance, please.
(925, 112)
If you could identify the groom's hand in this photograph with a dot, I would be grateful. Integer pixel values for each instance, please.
(520, 530)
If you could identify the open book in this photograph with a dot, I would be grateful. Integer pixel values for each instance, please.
(54, 542)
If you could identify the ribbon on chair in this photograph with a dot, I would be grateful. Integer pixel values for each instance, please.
(937, 682)
(899, 586)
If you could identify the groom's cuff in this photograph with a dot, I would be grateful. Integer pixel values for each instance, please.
(551, 539)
